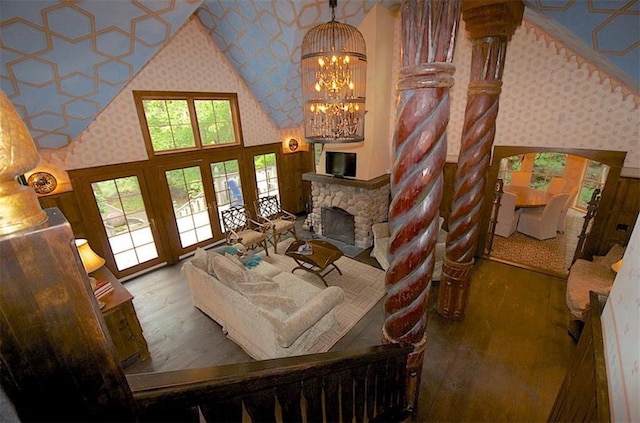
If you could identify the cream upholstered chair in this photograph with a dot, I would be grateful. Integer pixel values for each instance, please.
(279, 221)
(241, 228)
(565, 208)
(542, 224)
(507, 219)
(557, 185)
(520, 178)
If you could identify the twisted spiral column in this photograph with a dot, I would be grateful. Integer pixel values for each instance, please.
(478, 134)
(420, 148)
(490, 24)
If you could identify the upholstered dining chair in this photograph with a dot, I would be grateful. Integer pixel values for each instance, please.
(507, 219)
(241, 228)
(565, 208)
(542, 224)
(279, 221)
(520, 178)
(557, 185)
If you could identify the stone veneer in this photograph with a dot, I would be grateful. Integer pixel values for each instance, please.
(367, 201)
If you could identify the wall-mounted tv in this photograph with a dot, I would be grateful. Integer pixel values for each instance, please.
(340, 164)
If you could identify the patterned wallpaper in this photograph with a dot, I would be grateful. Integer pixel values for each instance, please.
(115, 136)
(621, 329)
(551, 97)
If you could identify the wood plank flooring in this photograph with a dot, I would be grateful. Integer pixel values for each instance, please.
(504, 362)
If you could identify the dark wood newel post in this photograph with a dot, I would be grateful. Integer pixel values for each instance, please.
(490, 24)
(420, 147)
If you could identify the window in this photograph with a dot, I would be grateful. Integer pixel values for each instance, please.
(227, 185)
(546, 166)
(266, 175)
(595, 176)
(508, 165)
(174, 121)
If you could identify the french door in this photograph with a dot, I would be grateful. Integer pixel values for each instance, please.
(120, 202)
(147, 213)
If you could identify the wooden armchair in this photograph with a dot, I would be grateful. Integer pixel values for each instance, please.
(240, 227)
(279, 221)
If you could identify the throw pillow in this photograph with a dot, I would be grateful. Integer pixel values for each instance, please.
(228, 272)
(615, 253)
(200, 259)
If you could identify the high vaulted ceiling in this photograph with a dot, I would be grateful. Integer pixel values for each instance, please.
(64, 61)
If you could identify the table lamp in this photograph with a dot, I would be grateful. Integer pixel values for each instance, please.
(90, 260)
(616, 266)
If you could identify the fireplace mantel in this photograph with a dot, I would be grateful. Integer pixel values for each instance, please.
(374, 183)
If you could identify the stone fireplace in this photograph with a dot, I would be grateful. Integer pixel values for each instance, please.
(365, 202)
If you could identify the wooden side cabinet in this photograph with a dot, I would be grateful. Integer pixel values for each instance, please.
(122, 320)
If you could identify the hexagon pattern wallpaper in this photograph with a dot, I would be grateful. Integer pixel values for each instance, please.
(63, 62)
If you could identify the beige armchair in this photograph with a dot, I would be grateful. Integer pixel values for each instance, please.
(382, 237)
(241, 228)
(278, 220)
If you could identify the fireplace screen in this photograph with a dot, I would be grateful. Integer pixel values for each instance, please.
(338, 224)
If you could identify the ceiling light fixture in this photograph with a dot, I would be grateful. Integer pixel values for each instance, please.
(334, 73)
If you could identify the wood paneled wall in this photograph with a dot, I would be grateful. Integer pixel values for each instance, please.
(296, 194)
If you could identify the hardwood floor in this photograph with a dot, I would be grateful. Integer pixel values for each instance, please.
(504, 362)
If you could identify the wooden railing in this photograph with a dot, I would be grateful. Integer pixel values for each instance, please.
(584, 394)
(363, 385)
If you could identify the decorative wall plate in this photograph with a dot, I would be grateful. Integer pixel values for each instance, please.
(42, 182)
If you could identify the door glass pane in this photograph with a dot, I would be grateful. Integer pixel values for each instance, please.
(227, 185)
(169, 124)
(266, 175)
(189, 205)
(215, 122)
(125, 220)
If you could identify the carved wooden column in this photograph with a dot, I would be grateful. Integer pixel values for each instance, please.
(420, 147)
(490, 24)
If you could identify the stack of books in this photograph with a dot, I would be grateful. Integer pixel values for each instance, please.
(102, 289)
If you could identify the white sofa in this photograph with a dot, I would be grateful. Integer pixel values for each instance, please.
(267, 312)
(382, 236)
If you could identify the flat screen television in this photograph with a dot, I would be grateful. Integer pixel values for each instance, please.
(340, 164)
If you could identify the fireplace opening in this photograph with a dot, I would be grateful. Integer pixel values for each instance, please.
(338, 224)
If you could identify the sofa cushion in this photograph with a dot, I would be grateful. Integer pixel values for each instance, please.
(262, 287)
(285, 305)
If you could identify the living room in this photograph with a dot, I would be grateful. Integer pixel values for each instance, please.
(113, 144)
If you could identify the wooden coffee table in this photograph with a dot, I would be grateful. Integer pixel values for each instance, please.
(324, 255)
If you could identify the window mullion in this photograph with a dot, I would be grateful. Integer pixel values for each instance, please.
(193, 116)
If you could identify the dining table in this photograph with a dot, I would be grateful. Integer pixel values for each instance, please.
(527, 197)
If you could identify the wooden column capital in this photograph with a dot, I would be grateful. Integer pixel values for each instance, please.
(492, 18)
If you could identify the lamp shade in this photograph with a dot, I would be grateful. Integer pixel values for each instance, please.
(90, 260)
(616, 266)
(334, 72)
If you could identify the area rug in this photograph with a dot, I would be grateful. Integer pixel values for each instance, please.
(363, 287)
